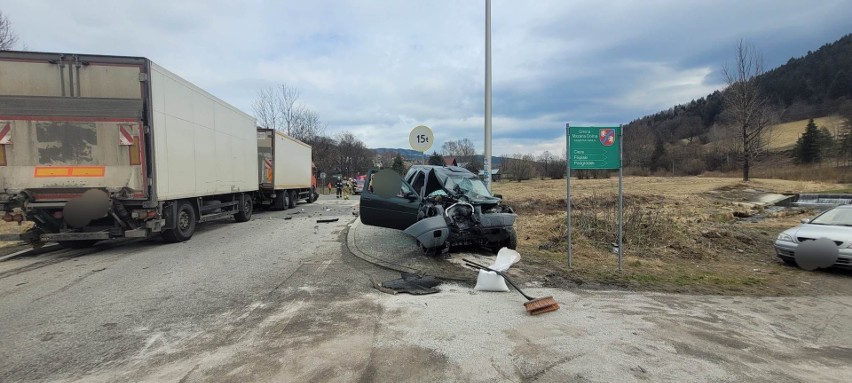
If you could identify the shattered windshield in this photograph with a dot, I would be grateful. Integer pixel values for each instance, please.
(473, 187)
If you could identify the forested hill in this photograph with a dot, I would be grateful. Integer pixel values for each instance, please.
(817, 84)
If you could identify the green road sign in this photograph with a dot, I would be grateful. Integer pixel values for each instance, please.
(594, 147)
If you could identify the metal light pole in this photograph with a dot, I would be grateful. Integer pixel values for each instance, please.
(487, 154)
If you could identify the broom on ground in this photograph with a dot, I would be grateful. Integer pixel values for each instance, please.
(534, 306)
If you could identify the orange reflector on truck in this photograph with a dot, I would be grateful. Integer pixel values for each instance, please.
(69, 171)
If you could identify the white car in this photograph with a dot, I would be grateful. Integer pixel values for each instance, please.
(834, 224)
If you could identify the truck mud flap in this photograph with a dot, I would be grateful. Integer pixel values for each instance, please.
(430, 232)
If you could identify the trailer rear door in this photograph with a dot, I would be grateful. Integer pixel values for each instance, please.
(69, 123)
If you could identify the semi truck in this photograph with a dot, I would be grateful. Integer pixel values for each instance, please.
(94, 147)
(285, 171)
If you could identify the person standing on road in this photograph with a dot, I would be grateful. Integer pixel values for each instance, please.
(339, 188)
(347, 189)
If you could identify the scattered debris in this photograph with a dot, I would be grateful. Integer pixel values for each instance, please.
(327, 220)
(411, 283)
(96, 270)
(378, 286)
(288, 218)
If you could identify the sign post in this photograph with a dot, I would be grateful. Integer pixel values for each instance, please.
(595, 148)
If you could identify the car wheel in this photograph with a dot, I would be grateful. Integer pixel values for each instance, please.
(246, 207)
(425, 250)
(511, 242)
(184, 224)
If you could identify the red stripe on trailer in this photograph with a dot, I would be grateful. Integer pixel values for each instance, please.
(124, 138)
(268, 163)
(5, 137)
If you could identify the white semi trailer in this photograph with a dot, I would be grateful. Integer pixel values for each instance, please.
(285, 171)
(97, 147)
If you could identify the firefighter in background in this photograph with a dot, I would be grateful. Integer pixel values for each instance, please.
(339, 186)
(347, 188)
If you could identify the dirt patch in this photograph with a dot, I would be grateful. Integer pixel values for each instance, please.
(688, 234)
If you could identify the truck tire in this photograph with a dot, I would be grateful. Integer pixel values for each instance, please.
(280, 201)
(292, 202)
(184, 224)
(85, 244)
(245, 209)
(312, 197)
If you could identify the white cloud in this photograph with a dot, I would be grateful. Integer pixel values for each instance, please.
(379, 68)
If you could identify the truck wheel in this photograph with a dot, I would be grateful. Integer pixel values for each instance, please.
(184, 224)
(246, 207)
(85, 244)
(280, 201)
(293, 195)
(313, 196)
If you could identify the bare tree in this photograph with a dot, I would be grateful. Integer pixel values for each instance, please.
(277, 108)
(266, 108)
(519, 166)
(306, 125)
(465, 153)
(352, 156)
(748, 109)
(8, 37)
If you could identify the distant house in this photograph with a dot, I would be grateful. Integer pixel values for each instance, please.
(495, 174)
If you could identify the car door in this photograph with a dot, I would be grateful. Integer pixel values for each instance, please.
(398, 211)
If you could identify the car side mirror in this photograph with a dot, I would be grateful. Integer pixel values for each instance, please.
(805, 220)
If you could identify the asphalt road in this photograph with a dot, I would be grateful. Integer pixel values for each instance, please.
(282, 300)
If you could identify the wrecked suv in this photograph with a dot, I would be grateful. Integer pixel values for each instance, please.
(441, 207)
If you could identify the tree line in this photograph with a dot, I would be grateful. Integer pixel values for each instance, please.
(731, 129)
(279, 108)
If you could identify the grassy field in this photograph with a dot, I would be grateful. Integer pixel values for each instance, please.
(784, 135)
(686, 234)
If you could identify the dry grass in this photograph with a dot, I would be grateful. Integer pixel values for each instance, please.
(808, 173)
(784, 135)
(680, 234)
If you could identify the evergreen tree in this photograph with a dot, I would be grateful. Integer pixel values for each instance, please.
(436, 159)
(844, 143)
(825, 143)
(807, 150)
(658, 157)
(398, 164)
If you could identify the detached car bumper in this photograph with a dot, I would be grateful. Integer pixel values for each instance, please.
(787, 250)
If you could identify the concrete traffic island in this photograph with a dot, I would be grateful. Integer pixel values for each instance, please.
(393, 249)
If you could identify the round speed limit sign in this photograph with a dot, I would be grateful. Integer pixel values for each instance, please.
(421, 138)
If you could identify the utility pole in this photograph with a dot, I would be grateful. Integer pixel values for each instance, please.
(487, 154)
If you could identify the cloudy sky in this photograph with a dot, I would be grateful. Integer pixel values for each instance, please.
(379, 68)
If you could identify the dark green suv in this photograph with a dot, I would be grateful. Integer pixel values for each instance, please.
(442, 207)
